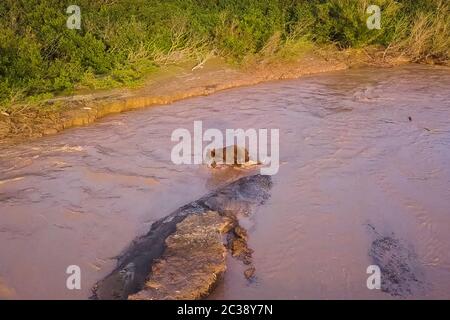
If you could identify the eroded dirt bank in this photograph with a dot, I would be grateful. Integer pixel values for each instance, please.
(170, 84)
(184, 255)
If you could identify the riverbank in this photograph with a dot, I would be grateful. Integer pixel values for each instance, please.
(50, 62)
(172, 83)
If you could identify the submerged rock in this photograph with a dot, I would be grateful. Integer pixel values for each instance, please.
(401, 273)
(237, 243)
(183, 255)
(249, 273)
(240, 197)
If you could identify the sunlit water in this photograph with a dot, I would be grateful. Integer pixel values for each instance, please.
(350, 156)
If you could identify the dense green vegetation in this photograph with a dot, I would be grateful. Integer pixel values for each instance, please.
(121, 41)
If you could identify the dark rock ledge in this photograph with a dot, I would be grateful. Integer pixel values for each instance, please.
(184, 254)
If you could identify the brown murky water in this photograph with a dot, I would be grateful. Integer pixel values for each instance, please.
(350, 157)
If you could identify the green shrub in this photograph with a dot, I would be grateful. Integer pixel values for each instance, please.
(121, 41)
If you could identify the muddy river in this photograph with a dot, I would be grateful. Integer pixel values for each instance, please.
(363, 152)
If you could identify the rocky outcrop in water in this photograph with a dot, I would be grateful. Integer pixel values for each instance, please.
(183, 255)
(192, 262)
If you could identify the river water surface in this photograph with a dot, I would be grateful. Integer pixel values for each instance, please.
(350, 157)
